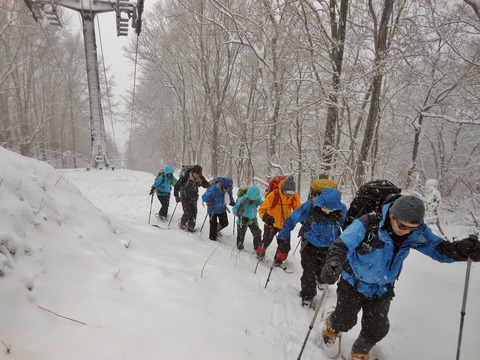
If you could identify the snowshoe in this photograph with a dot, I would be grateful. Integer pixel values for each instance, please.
(161, 217)
(331, 340)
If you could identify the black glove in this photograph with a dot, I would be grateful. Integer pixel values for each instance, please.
(177, 198)
(331, 271)
(232, 203)
(268, 219)
(152, 191)
(469, 247)
(336, 216)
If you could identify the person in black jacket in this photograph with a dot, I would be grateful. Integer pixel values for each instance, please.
(186, 191)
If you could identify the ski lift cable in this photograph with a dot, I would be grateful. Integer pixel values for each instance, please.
(133, 98)
(53, 52)
(107, 89)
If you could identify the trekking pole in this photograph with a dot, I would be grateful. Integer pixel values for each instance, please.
(173, 213)
(256, 267)
(464, 304)
(271, 269)
(150, 215)
(296, 247)
(203, 222)
(268, 278)
(234, 224)
(317, 309)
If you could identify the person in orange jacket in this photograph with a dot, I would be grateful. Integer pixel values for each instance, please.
(275, 209)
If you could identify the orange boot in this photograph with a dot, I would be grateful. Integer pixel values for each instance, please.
(357, 356)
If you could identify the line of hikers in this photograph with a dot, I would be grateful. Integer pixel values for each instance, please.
(362, 248)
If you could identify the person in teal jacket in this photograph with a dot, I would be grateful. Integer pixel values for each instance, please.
(368, 257)
(215, 198)
(322, 220)
(246, 212)
(163, 186)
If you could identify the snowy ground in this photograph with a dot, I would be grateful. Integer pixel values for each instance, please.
(77, 244)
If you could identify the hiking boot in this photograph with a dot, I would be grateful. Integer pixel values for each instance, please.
(329, 335)
(277, 262)
(261, 252)
(180, 225)
(240, 245)
(358, 356)
(307, 303)
(321, 286)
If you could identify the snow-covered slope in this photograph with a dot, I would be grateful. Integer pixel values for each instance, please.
(86, 277)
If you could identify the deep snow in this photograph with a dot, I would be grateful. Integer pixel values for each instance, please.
(77, 244)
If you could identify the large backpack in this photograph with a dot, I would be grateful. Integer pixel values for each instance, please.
(161, 173)
(370, 198)
(242, 191)
(273, 187)
(185, 169)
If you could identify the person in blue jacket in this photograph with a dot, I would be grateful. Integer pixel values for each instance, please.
(368, 257)
(322, 219)
(214, 197)
(246, 212)
(163, 186)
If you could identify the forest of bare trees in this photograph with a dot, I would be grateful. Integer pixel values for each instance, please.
(350, 90)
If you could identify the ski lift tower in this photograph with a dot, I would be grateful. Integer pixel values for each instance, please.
(126, 10)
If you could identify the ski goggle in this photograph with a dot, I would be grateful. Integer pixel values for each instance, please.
(402, 226)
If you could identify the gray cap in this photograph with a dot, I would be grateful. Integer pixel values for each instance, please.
(408, 208)
(288, 186)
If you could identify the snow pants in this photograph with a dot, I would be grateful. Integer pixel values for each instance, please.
(313, 260)
(217, 223)
(189, 217)
(375, 324)
(165, 203)
(268, 235)
(255, 230)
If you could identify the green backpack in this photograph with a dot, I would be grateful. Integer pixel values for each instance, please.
(242, 191)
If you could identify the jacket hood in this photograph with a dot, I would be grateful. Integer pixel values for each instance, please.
(168, 170)
(330, 199)
(253, 193)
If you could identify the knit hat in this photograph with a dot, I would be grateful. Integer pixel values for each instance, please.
(408, 208)
(227, 183)
(288, 186)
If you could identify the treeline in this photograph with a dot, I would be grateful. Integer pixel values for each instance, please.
(342, 89)
(345, 89)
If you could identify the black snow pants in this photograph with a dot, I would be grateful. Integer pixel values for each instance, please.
(375, 324)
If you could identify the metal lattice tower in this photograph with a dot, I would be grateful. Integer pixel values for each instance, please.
(46, 10)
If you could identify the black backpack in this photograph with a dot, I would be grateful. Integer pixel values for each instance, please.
(369, 199)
